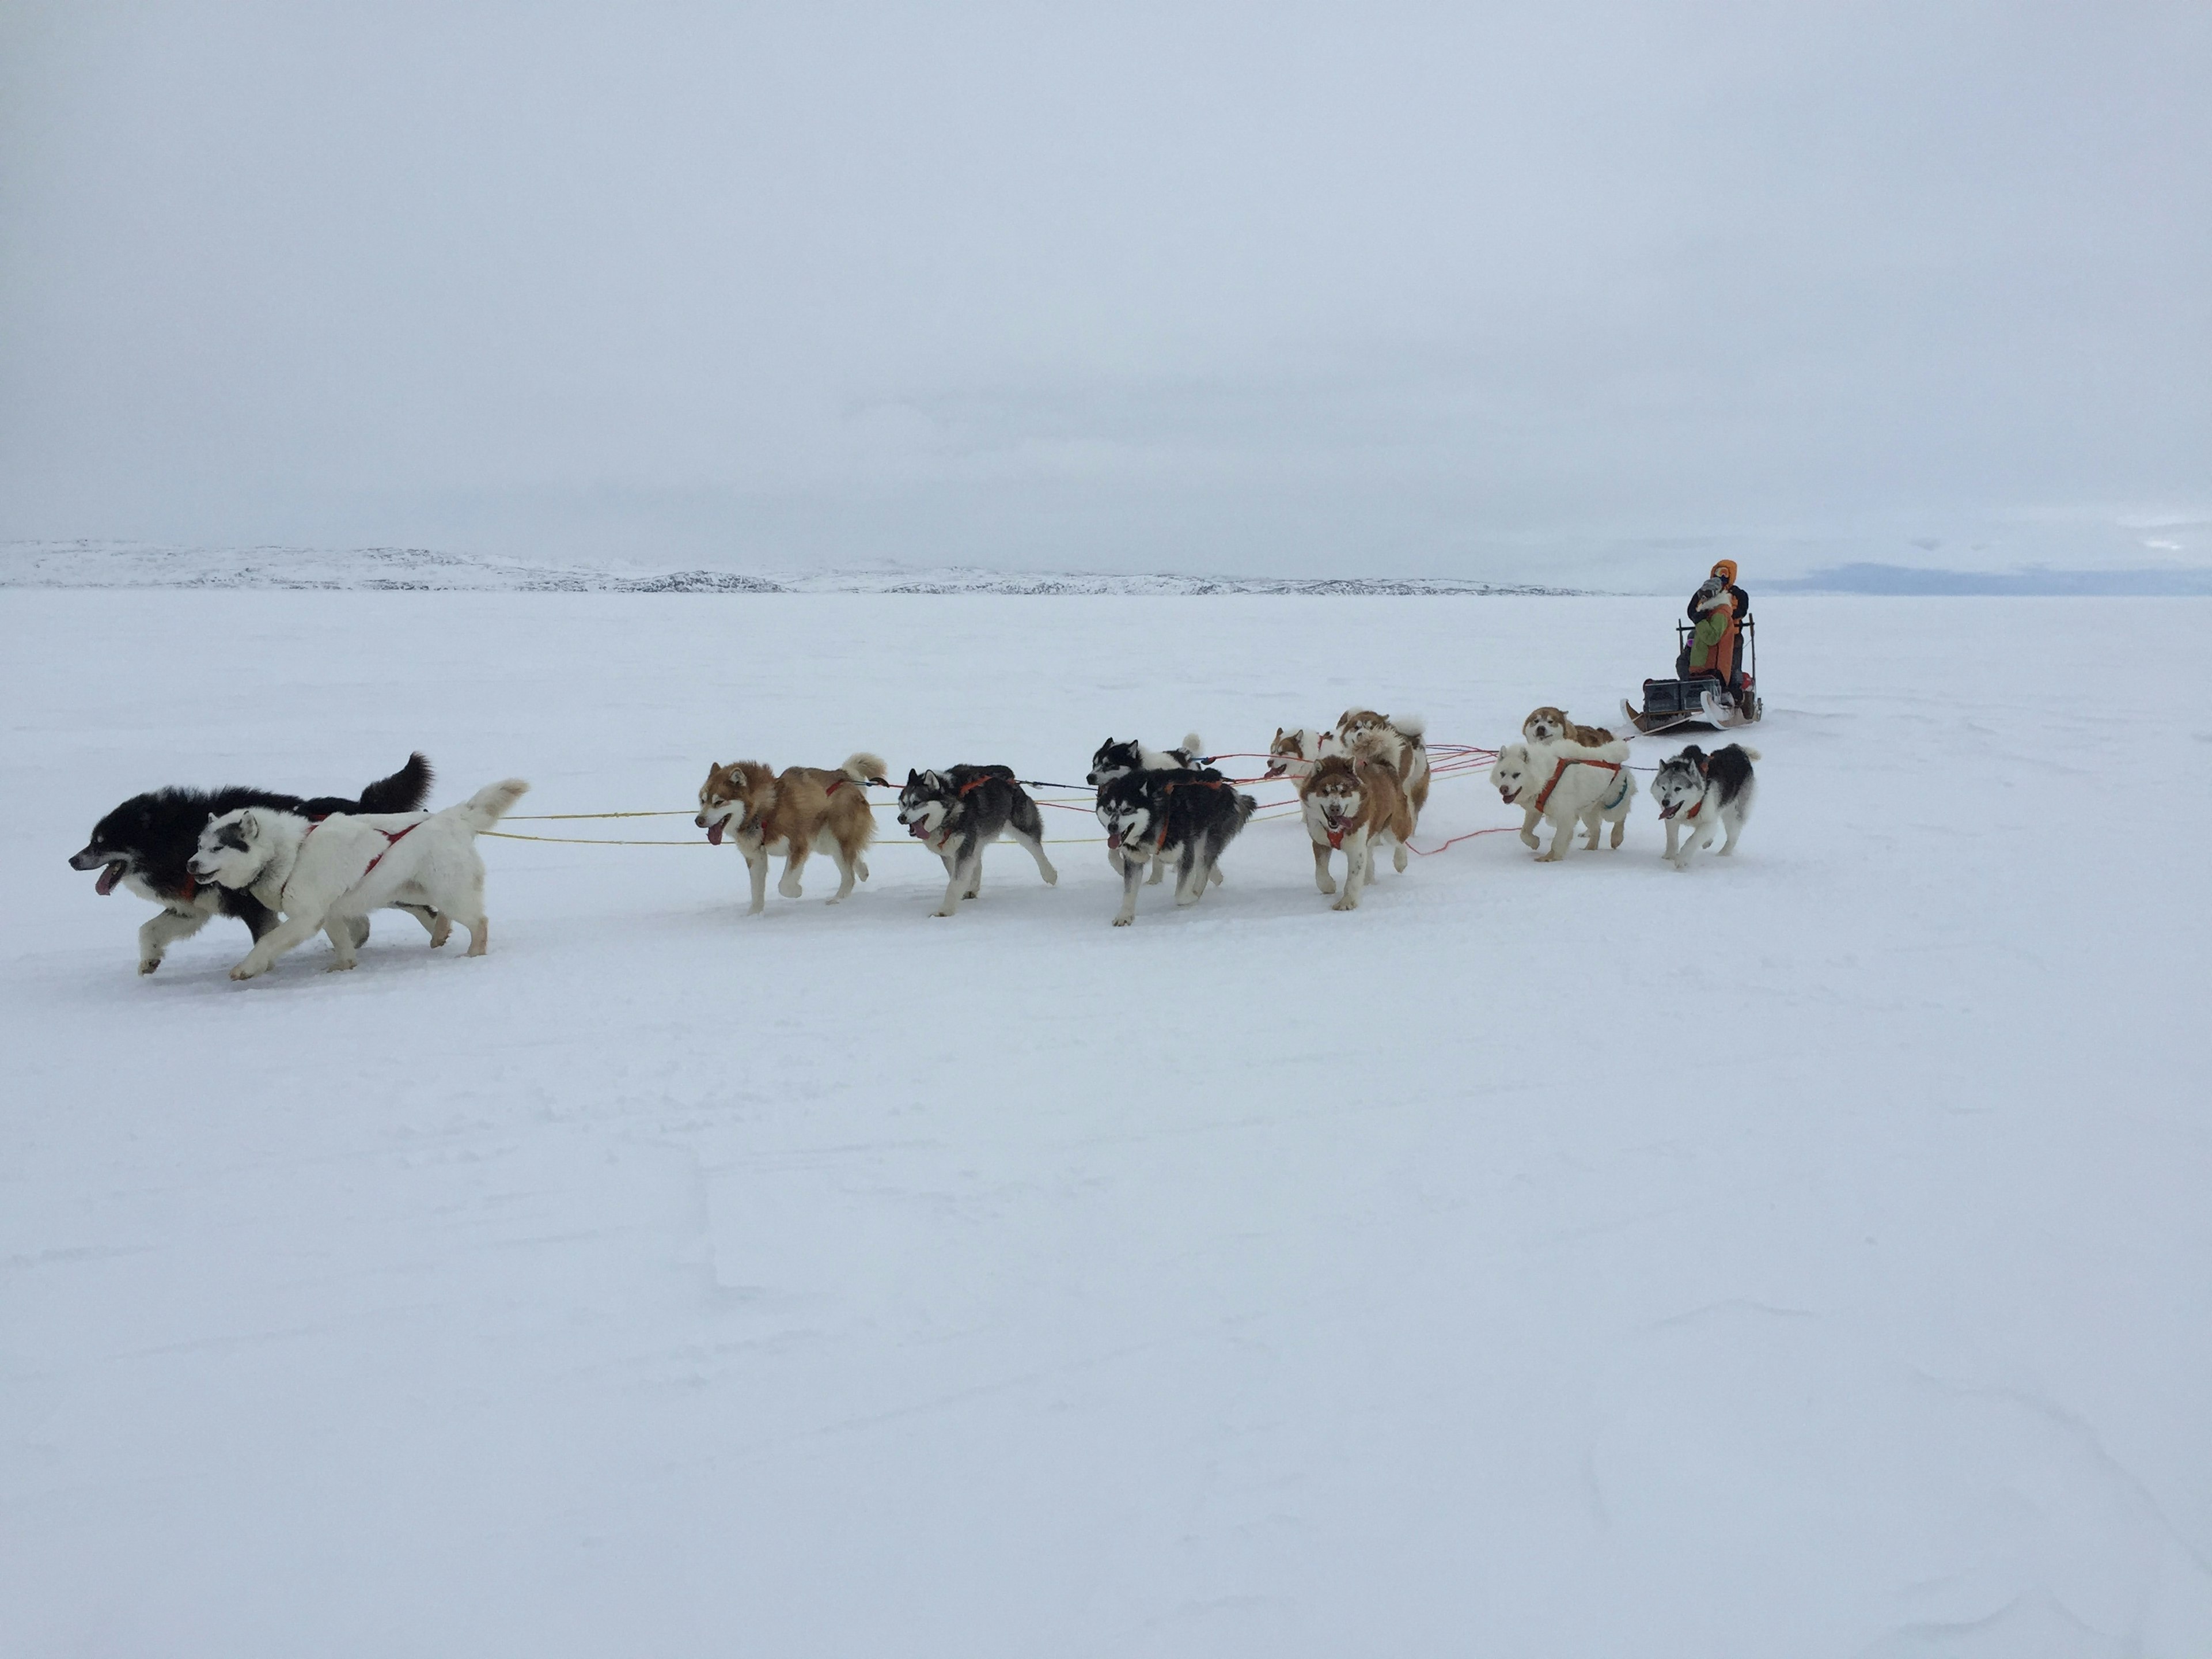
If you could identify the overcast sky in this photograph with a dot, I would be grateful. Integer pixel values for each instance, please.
(1526, 291)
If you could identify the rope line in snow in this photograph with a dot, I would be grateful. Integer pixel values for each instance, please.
(1269, 812)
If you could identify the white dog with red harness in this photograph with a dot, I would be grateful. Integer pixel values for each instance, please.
(326, 873)
(1568, 785)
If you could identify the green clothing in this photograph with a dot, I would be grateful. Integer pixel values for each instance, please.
(1712, 628)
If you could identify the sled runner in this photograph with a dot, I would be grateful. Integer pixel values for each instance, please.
(1701, 701)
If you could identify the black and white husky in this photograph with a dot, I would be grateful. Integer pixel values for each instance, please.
(146, 843)
(1159, 817)
(958, 813)
(1706, 793)
(1116, 759)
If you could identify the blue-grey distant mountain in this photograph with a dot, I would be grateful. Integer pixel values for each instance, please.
(1896, 580)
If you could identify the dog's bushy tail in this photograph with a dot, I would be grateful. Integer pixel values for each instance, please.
(1412, 725)
(1749, 754)
(1195, 743)
(492, 803)
(863, 768)
(405, 791)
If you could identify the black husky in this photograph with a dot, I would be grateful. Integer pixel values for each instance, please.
(145, 843)
(1184, 817)
(957, 814)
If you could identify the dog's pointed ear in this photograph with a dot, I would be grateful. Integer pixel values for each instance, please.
(912, 776)
(249, 825)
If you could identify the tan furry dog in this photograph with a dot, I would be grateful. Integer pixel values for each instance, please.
(1395, 740)
(1354, 805)
(806, 810)
(1552, 727)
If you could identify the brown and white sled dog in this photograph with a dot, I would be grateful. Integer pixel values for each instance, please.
(1567, 786)
(327, 874)
(806, 810)
(1293, 752)
(1393, 739)
(1356, 807)
(1551, 728)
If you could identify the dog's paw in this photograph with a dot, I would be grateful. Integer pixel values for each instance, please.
(441, 932)
(244, 971)
(1124, 921)
(147, 965)
(944, 913)
(1327, 884)
(1530, 840)
(340, 967)
(1347, 903)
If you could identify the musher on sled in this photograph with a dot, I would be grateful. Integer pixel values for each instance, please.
(1715, 668)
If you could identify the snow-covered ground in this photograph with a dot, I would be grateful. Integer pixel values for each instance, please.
(1806, 1255)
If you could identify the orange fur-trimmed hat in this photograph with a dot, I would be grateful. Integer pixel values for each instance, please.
(1725, 569)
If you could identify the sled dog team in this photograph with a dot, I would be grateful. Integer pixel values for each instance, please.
(289, 868)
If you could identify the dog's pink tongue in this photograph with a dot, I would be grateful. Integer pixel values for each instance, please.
(109, 875)
(715, 833)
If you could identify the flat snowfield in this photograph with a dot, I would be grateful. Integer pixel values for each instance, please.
(1807, 1254)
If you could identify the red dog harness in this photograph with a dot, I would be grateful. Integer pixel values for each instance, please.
(1560, 771)
(391, 840)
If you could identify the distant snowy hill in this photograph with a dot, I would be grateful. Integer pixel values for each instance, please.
(139, 564)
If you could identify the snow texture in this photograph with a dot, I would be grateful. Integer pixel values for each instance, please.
(1807, 1255)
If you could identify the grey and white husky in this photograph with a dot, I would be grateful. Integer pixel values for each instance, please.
(1185, 817)
(958, 812)
(1706, 793)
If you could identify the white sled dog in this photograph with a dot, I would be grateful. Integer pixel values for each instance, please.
(1707, 793)
(325, 875)
(1566, 785)
(1551, 728)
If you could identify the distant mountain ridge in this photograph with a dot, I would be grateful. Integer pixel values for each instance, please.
(413, 569)
(1912, 582)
